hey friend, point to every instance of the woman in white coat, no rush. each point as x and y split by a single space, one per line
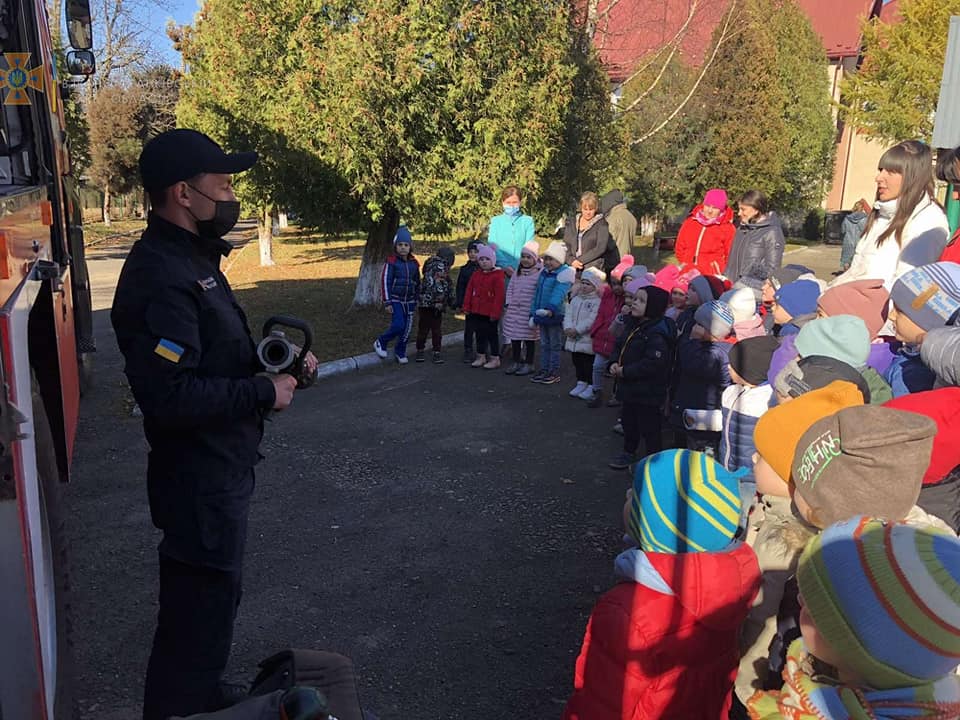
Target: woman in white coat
907 227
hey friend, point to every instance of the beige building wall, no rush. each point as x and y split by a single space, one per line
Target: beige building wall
857 156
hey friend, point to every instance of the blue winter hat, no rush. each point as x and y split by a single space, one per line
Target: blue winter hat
403 236
799 297
684 501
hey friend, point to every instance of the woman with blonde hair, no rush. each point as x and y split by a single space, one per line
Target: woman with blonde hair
907 227
587 237
852 229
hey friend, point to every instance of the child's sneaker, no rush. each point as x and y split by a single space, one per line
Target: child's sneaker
468 356
493 363
550 379
402 359
437 358
577 389
539 376
622 461
479 361
589 394
512 370
420 357
524 370
379 349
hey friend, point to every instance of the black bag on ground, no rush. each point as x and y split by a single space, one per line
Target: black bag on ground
328 672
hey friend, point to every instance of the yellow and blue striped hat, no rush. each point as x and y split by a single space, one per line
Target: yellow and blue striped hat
684 501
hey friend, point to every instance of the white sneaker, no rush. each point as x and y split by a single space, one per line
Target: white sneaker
588 394
577 389
378 349
402 360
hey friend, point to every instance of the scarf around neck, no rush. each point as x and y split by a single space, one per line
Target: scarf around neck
807 696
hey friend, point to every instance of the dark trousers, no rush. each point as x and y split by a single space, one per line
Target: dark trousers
470 332
583 364
525 353
192 643
488 335
641 422
429 320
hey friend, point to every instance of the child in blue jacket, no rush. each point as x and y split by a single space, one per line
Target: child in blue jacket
547 309
401 290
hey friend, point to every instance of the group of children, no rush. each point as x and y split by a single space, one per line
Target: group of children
795 554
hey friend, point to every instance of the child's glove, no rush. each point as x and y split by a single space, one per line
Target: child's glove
543 312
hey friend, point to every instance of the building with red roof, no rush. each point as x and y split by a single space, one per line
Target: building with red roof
629 31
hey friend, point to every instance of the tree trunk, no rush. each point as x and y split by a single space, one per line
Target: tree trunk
275 222
375 252
106 205
265 236
282 217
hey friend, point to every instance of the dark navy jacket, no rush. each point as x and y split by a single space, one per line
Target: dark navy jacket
645 350
192 366
704 373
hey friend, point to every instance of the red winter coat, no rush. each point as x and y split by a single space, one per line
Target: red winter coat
486 293
610 305
714 241
951 253
648 655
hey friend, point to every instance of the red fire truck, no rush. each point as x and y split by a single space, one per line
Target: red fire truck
45 334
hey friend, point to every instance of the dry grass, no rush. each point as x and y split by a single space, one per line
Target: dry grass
97 232
314 278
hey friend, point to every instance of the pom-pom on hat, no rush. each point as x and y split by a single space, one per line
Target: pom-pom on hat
886 599
929 295
684 501
624 264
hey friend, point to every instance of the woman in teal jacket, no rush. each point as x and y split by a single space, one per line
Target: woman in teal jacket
510 231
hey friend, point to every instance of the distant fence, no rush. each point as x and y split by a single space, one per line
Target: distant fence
121 206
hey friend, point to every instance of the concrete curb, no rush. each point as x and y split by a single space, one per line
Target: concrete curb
367 361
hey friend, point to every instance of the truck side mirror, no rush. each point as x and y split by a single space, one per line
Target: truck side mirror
81 62
79 25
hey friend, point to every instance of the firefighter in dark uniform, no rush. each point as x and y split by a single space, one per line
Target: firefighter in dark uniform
193 370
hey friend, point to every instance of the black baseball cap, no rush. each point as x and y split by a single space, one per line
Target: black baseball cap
181 154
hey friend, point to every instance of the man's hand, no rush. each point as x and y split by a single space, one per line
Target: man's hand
616 370
310 363
283 387
576 265
389 309
509 272
570 332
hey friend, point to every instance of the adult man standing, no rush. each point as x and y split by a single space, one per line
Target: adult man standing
193 370
622 223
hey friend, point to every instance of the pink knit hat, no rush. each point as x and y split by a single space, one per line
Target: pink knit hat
683 281
668 277
532 248
488 252
618 271
716 198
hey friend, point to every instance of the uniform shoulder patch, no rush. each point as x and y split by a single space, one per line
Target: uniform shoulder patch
169 350
207 283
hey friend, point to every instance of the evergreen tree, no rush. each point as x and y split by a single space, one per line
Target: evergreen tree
894 95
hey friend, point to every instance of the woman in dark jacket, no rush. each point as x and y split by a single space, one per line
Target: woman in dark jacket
758 245
587 238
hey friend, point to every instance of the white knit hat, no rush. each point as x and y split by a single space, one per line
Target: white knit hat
742 302
558 251
594 276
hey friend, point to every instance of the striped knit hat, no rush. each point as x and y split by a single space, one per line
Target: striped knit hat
716 317
684 501
886 598
929 295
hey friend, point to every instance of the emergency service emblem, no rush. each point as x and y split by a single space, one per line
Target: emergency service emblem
17 77
169 350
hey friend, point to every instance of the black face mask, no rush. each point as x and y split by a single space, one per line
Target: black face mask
225 216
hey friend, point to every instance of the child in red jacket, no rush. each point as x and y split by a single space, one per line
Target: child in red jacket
664 642
483 304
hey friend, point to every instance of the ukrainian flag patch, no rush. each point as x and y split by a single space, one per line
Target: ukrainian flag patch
169 350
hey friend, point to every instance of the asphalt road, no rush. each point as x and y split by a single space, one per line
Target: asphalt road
448 528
